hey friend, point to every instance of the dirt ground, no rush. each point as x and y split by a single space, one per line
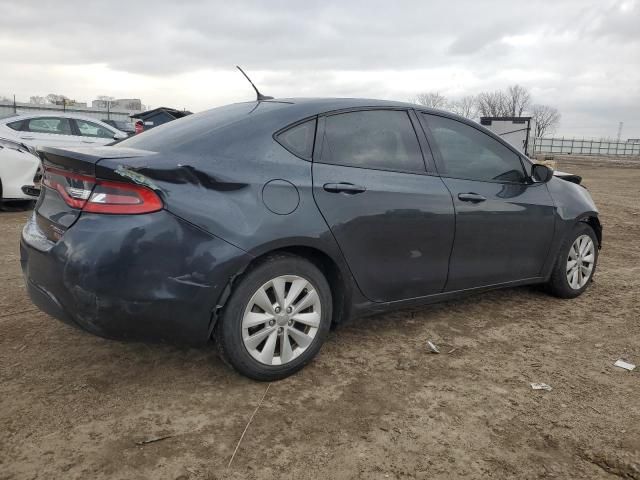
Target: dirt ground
374 404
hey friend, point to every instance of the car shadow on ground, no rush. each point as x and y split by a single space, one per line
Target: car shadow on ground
161 362
17 206
504 297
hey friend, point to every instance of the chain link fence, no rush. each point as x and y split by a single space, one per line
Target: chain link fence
584 147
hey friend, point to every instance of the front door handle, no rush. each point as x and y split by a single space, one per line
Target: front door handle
471 197
26 137
349 188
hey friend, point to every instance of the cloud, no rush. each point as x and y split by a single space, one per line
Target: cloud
183 53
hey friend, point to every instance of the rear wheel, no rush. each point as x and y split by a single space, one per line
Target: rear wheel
276 319
576 263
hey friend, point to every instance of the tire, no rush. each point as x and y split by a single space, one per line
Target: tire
245 332
559 283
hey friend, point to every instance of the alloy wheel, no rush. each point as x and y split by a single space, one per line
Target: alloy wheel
580 262
281 320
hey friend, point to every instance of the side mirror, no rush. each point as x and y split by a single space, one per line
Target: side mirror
541 173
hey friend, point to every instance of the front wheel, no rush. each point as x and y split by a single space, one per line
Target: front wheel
576 263
277 318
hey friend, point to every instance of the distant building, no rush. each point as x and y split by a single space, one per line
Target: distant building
633 140
158 116
130 104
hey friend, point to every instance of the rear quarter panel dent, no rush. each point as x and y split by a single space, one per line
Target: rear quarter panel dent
151 276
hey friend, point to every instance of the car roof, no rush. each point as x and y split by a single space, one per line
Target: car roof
24 116
322 105
271 116
306 107
345 102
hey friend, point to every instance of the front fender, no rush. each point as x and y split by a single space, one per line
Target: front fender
573 204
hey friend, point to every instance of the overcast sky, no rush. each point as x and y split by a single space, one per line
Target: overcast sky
582 57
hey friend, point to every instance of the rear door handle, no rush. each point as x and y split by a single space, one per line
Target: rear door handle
471 197
349 188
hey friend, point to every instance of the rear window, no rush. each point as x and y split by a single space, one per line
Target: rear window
172 136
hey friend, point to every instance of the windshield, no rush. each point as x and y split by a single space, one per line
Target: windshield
122 125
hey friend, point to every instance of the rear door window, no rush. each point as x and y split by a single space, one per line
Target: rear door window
468 153
53 125
376 139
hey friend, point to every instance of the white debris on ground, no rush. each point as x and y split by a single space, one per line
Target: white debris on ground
541 386
625 365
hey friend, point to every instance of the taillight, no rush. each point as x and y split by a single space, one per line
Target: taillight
122 198
101 196
74 188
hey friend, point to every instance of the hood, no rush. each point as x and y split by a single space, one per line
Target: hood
569 177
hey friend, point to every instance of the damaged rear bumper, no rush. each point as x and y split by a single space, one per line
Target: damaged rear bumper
137 277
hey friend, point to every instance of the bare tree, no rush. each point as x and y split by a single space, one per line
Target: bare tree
56 99
545 118
431 100
38 100
465 107
518 100
512 102
492 104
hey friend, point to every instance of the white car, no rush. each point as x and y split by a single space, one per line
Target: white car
19 171
58 129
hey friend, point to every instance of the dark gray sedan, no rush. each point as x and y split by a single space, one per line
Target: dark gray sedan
261 224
